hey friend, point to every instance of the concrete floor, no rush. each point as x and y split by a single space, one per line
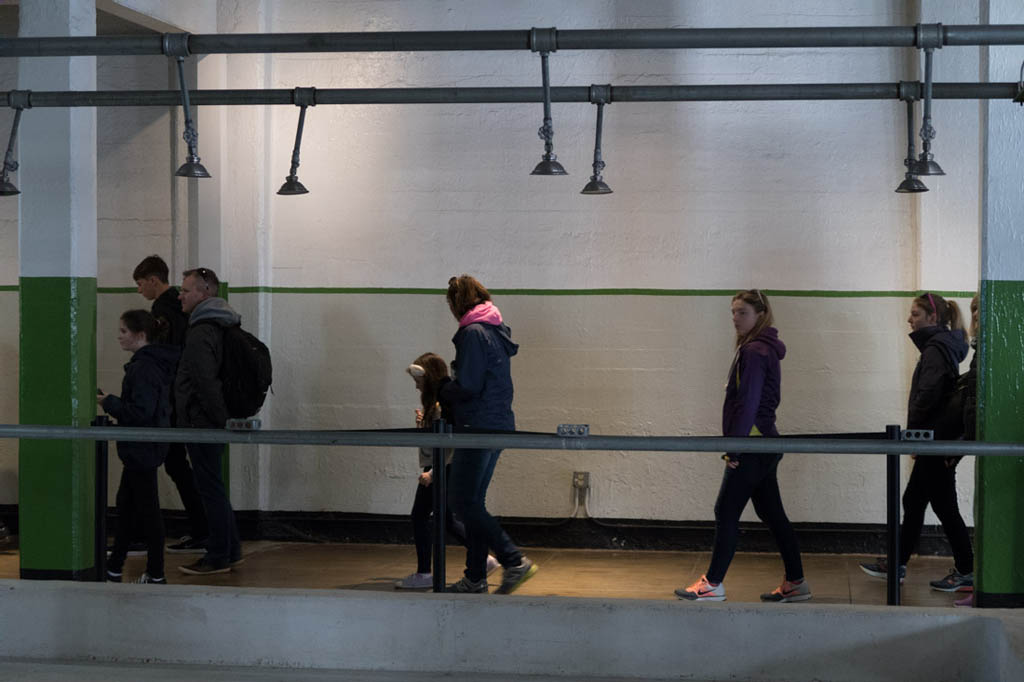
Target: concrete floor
834 578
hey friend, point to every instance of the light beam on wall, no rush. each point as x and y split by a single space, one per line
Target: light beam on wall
911 183
7 188
191 168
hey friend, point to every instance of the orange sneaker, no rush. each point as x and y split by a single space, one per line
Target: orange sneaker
702 590
787 592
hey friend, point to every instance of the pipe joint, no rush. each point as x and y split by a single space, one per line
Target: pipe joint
601 94
910 91
176 44
19 99
304 97
544 39
928 36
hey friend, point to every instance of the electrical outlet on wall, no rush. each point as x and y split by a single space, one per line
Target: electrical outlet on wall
581 480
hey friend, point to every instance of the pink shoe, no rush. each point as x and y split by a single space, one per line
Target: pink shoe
967 601
702 590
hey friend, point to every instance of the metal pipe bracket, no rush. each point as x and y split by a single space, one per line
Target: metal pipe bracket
304 97
928 36
176 44
601 94
19 99
544 39
910 91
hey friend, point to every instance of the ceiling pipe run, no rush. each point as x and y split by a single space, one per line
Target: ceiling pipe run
587 39
514 95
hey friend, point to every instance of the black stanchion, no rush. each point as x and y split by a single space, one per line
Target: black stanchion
892 518
440 483
100 524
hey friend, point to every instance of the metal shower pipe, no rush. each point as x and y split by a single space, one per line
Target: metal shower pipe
513 95
588 39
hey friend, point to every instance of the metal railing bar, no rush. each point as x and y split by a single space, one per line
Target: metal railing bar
518 441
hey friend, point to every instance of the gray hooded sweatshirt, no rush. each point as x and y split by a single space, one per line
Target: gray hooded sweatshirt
198 398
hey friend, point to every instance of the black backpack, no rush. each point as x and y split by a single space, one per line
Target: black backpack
245 372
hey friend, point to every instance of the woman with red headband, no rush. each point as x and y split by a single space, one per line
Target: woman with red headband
938 332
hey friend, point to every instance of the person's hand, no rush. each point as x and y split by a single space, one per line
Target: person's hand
100 395
426 478
419 418
732 464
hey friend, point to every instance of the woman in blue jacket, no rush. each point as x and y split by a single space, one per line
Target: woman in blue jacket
480 397
145 400
752 394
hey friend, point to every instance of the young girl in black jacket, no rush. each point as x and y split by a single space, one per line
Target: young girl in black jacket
937 331
145 400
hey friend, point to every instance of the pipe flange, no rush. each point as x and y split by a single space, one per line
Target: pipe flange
176 44
601 94
928 36
544 39
910 91
304 97
19 99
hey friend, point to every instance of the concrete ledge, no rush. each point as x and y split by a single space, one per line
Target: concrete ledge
356 630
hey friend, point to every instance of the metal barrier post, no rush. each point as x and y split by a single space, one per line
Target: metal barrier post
440 508
100 523
892 518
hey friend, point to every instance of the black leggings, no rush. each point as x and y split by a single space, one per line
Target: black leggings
422 528
138 507
754 479
931 481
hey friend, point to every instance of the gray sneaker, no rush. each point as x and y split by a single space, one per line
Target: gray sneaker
788 592
955 582
515 576
467 586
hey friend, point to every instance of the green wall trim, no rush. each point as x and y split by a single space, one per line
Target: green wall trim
999 516
419 291
805 293
57 385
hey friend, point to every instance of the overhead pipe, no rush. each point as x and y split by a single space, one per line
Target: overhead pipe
514 95
586 39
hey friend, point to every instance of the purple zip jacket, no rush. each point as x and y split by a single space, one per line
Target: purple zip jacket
754 389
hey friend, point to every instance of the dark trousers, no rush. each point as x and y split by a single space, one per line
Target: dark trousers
177 467
222 545
422 528
931 481
138 507
471 472
756 478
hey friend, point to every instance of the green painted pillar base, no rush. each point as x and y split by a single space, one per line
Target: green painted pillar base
999 515
57 385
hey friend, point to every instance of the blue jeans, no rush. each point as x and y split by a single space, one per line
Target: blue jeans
223 545
470 475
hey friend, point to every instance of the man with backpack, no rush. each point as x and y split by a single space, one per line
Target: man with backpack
150 277
199 401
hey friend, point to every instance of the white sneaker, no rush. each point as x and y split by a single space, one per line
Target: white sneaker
415 581
492 564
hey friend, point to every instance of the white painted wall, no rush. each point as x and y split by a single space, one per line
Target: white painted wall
707 196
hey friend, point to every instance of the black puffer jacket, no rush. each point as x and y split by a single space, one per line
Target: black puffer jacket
942 351
198 396
145 400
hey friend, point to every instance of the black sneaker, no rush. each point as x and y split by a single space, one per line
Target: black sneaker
880 569
203 567
187 545
113 576
467 586
134 549
955 582
515 576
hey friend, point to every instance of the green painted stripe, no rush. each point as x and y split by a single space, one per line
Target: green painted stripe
9 287
57 385
999 516
417 291
802 293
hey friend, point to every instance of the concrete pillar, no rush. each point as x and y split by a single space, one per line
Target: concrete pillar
999 516
57 259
